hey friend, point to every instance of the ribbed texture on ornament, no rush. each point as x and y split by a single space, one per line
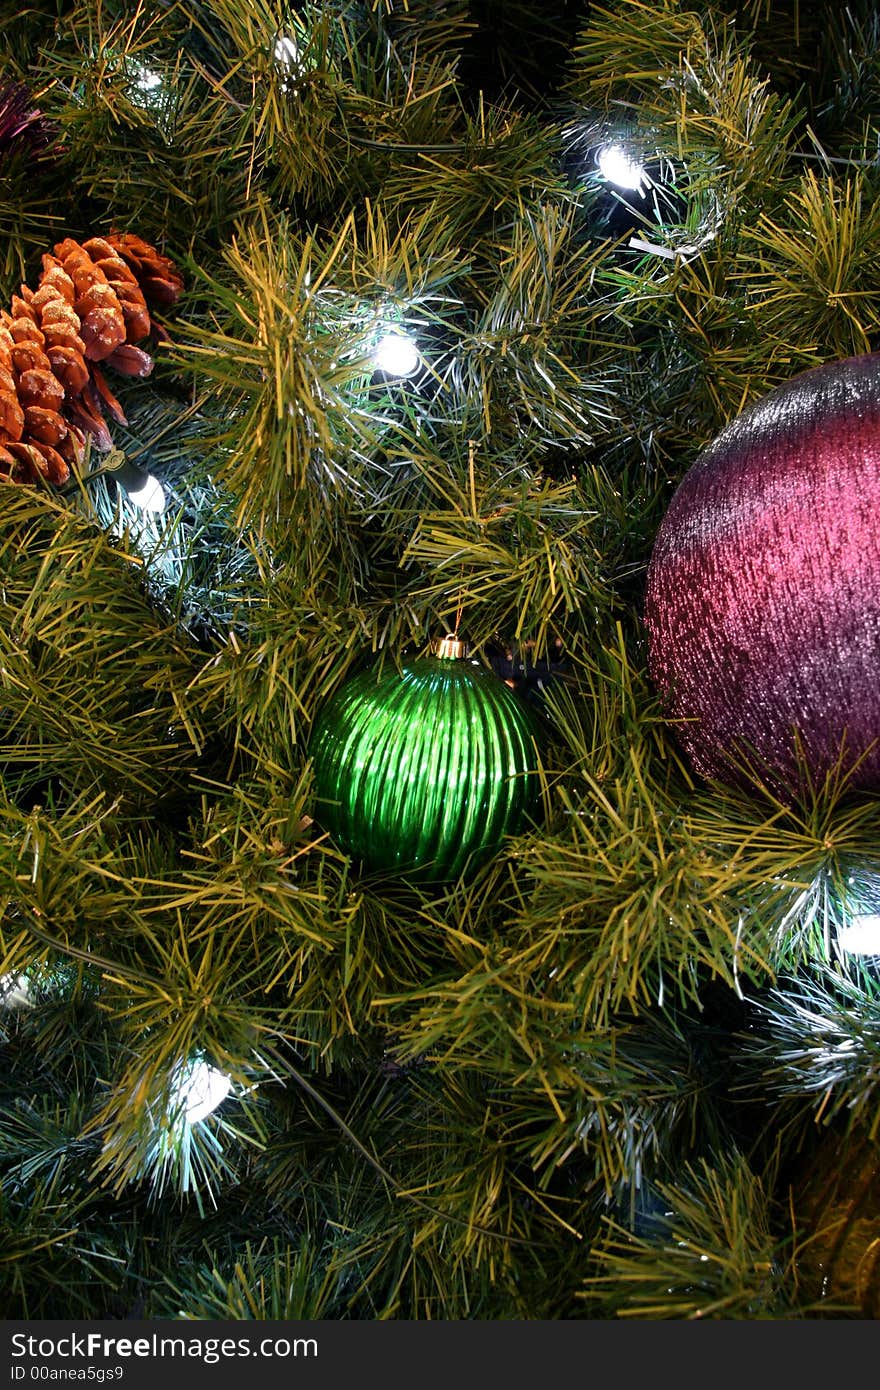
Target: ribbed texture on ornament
762 604
423 771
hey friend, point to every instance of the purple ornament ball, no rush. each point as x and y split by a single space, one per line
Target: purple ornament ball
762 604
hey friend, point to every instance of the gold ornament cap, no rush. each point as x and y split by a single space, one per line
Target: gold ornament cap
450 648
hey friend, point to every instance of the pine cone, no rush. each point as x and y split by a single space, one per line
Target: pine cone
125 285
89 308
156 274
32 430
102 322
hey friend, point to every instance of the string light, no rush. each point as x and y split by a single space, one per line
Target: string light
145 78
142 488
396 354
148 90
861 935
619 168
286 55
286 51
14 990
150 496
198 1089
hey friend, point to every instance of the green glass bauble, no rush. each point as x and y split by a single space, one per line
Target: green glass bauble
422 772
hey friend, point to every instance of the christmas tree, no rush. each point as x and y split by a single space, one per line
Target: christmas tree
419 313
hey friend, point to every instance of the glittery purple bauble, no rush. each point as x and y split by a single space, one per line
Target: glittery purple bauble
22 125
763 591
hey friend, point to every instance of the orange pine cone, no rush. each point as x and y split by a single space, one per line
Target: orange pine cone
102 323
89 307
125 286
157 276
31 395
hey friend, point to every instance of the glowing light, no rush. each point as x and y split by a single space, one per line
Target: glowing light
145 78
199 1089
151 92
286 55
861 936
150 495
14 989
286 51
618 168
396 354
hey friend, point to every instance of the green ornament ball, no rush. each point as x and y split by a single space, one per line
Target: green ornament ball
423 771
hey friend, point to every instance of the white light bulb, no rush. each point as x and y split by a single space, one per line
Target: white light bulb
861 936
396 354
150 496
149 90
286 55
199 1089
286 51
13 990
146 79
618 168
